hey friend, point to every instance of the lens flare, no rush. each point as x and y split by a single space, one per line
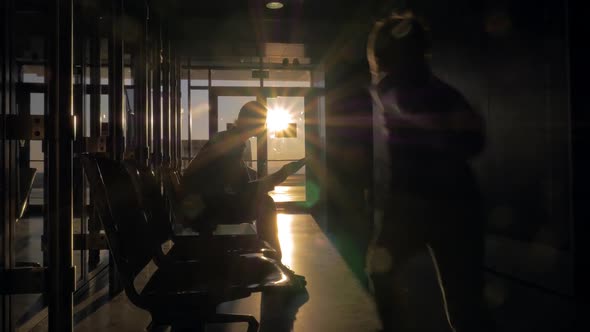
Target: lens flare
277 119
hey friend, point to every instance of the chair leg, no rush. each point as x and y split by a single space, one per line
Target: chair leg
253 324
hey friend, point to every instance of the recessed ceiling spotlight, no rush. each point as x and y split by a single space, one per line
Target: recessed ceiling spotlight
274 5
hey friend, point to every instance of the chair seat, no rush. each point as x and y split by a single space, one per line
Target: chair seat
187 294
196 288
237 229
243 229
217 277
195 247
181 292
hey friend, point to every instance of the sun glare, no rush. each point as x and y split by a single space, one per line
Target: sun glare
277 119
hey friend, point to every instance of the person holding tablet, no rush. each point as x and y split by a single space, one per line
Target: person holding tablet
225 184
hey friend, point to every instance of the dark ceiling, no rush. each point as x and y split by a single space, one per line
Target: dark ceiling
313 22
293 9
324 26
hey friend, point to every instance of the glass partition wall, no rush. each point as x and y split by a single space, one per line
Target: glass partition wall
73 83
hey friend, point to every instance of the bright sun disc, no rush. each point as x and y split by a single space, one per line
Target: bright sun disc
277 119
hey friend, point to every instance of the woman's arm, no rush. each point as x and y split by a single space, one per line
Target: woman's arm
459 131
268 182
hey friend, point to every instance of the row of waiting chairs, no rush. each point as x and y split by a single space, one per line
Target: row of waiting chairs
198 273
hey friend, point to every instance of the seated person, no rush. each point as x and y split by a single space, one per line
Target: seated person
219 175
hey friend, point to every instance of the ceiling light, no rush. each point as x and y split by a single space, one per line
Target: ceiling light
274 5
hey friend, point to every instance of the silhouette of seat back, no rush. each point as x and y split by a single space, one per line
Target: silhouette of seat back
149 195
27 177
188 202
172 192
129 235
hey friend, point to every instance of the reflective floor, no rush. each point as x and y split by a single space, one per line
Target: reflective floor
288 194
335 300
28 251
291 190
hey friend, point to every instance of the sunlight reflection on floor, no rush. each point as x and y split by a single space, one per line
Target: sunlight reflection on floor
285 223
288 194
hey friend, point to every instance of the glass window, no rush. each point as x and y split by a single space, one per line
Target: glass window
319 80
128 76
184 120
33 74
286 142
288 78
37 103
199 77
229 108
104 115
86 131
199 114
104 75
234 77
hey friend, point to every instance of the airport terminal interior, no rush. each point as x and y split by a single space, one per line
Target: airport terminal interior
106 103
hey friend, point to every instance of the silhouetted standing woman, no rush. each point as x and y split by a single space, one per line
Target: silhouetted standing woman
431 202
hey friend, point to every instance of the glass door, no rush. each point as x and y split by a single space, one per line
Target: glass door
228 109
286 143
285 140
